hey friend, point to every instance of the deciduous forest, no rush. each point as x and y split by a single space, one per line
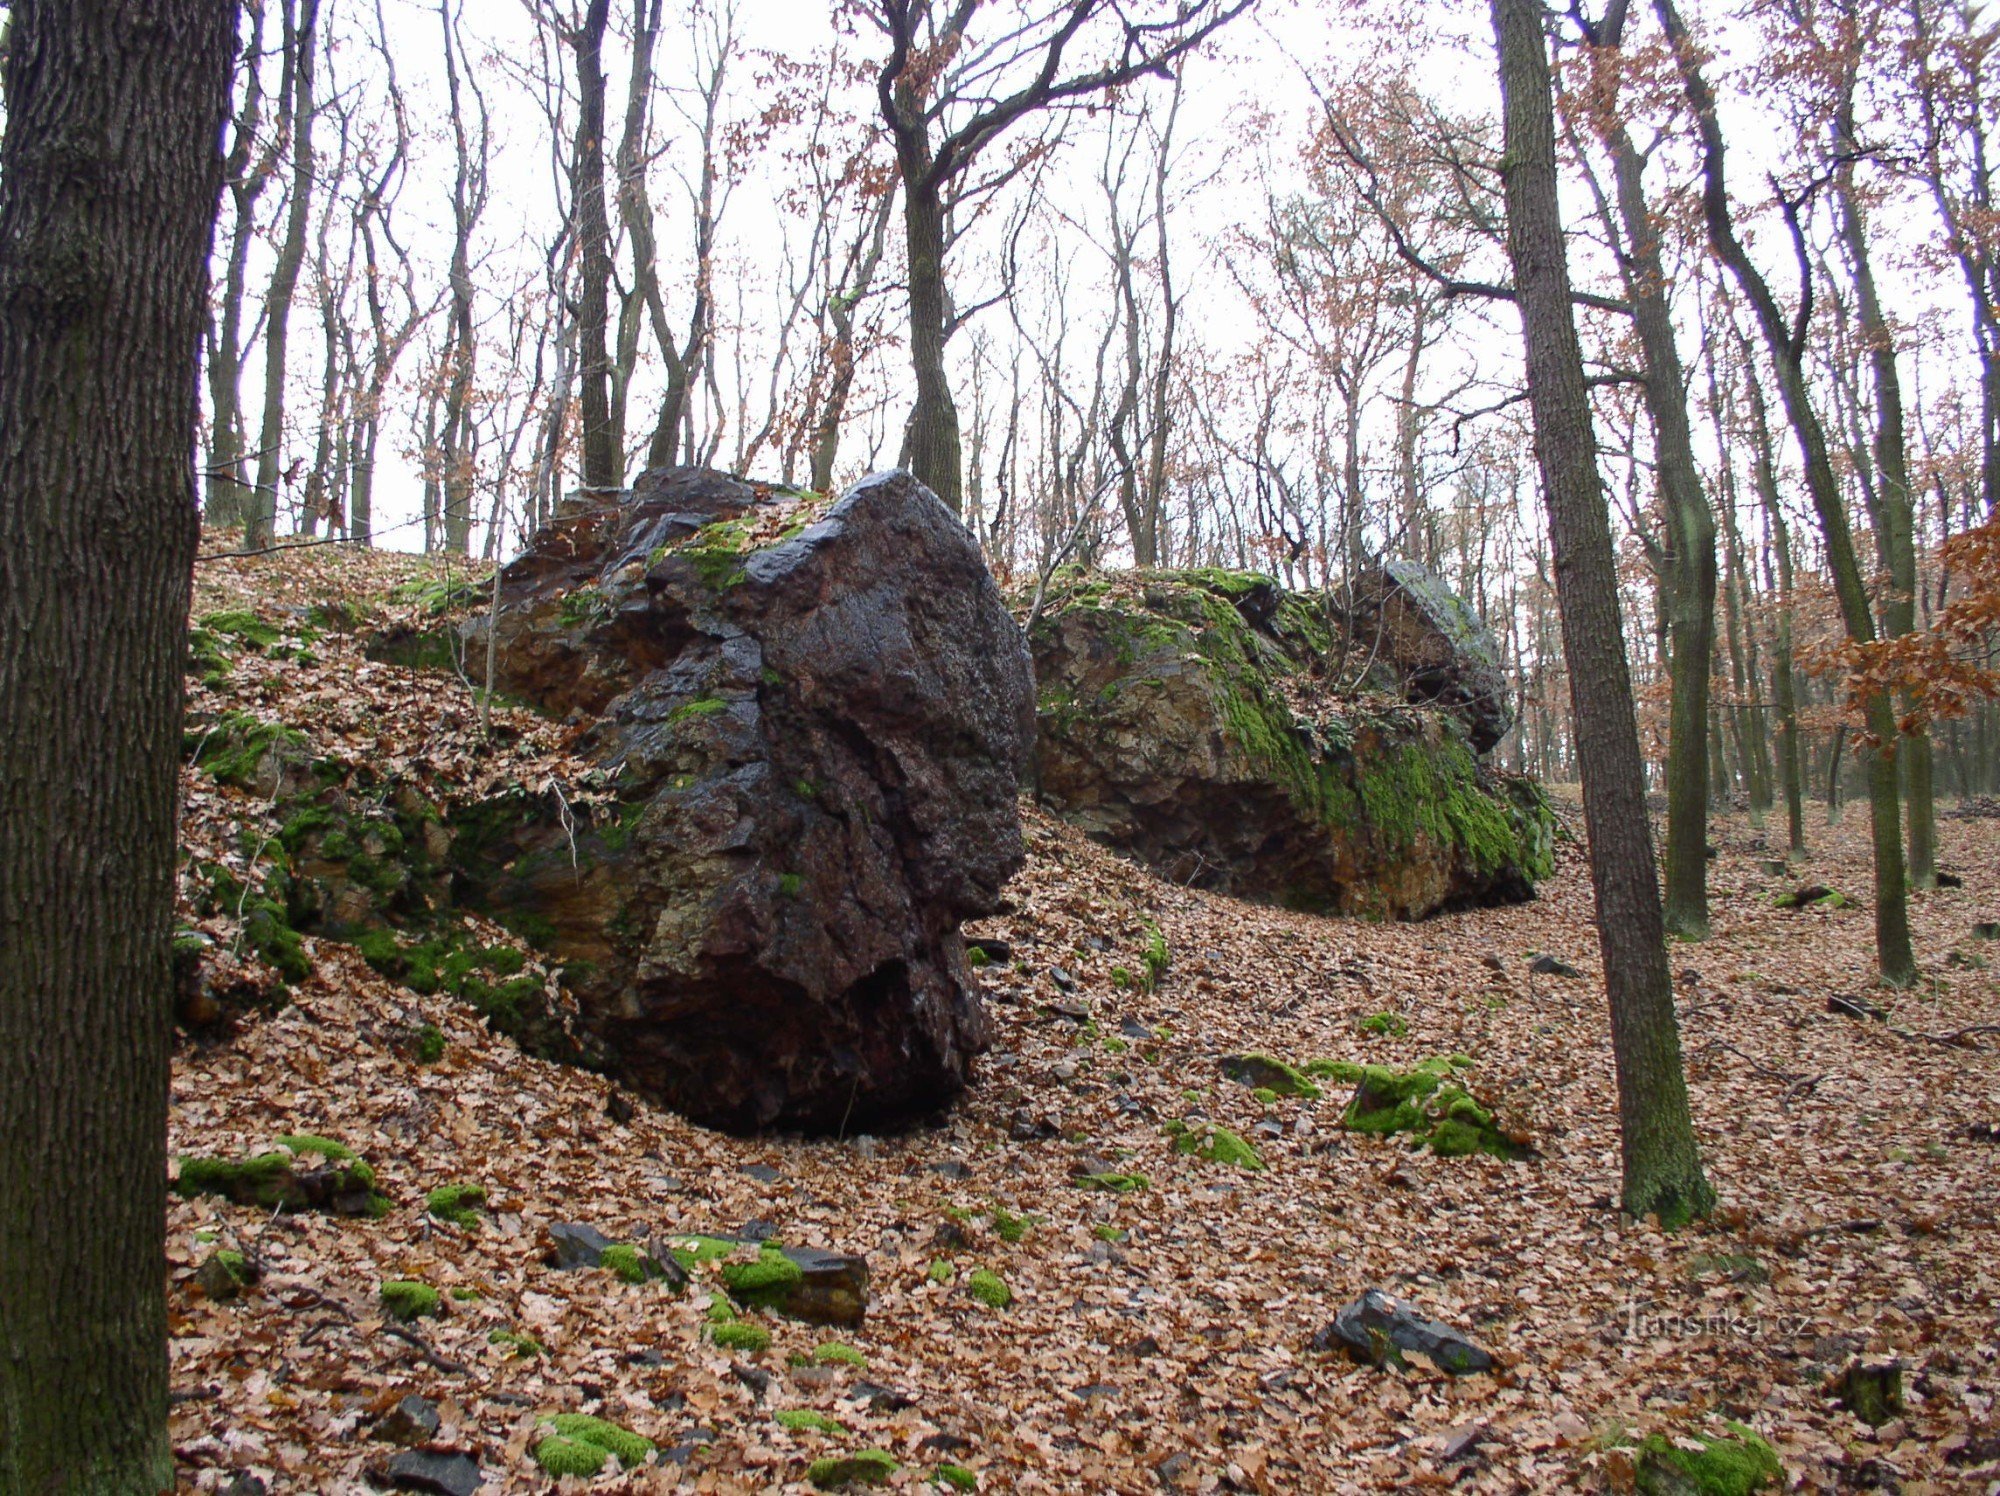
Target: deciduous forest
1045 745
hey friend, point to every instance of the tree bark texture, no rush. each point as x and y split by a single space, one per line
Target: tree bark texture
1662 1161
109 174
602 462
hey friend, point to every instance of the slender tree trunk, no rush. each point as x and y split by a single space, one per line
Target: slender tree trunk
1894 957
109 175
1895 520
302 45
1791 769
1662 1160
1689 580
602 462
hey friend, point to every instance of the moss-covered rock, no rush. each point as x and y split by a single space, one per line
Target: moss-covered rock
1732 1464
1263 1072
1430 1103
287 1178
1233 735
1215 1145
866 1467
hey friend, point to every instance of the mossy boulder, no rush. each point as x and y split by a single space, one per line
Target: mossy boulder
815 718
1238 737
1430 1103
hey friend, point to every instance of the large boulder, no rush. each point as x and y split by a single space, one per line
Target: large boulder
812 720
1243 739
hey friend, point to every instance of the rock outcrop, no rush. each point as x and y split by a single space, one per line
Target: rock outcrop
812 721
1187 717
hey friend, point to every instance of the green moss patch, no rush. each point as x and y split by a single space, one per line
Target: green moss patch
627 1447
1261 1071
957 1477
1428 1103
1734 1464
807 1421
989 1288
1215 1145
1385 1025
561 1456
734 1335
406 1299
1112 1182
463 1205
839 1353
867 1467
523 1347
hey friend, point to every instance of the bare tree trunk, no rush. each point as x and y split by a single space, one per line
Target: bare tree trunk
602 461
1662 1161
296 117
228 490
1893 954
109 174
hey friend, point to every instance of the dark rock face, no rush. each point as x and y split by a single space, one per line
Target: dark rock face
812 723
1242 739
1422 631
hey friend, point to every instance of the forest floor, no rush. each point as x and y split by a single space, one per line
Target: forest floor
1157 1339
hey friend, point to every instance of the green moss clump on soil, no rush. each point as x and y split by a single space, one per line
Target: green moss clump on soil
629 1448
989 1288
430 1044
1385 1025
957 1477
866 1467
628 1264
1009 1227
806 1420
1113 1183
1735 1464
524 1347
1347 1072
460 1204
839 1353
734 1335
406 1300
1215 1145
561 1456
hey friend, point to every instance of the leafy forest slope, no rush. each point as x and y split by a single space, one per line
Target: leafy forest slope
1158 1336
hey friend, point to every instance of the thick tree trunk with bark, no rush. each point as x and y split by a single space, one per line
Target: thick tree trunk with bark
1662 1161
931 445
109 175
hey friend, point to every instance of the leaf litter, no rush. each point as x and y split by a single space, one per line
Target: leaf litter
1155 1336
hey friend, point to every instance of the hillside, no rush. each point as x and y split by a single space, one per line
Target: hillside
1158 1337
